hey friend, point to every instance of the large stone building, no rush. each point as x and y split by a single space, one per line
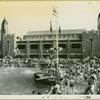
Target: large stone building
38 43
77 43
74 43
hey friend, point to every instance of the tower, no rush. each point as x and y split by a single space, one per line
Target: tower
4 31
98 24
4 27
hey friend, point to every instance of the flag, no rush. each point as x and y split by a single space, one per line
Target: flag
59 29
18 38
50 26
54 12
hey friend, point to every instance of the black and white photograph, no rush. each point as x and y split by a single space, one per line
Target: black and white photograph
50 48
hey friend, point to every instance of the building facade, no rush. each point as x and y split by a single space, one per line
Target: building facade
74 43
77 43
38 43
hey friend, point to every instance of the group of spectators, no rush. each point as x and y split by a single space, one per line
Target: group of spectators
80 76
77 76
18 62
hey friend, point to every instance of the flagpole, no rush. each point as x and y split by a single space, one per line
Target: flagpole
57 53
57 44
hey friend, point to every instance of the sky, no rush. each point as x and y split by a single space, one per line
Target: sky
24 16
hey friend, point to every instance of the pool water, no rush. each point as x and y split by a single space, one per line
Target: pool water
19 81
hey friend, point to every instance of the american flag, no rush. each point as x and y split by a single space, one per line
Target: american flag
18 38
54 12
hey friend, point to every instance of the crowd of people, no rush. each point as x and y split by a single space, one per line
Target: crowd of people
76 76
80 77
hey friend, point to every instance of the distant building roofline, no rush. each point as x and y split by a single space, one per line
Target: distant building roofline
43 32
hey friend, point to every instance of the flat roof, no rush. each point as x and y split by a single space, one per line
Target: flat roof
47 32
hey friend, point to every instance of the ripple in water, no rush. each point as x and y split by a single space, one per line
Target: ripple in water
28 71
19 81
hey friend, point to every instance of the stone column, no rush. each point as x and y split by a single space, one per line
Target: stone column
28 50
8 47
40 49
68 51
91 41
2 45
